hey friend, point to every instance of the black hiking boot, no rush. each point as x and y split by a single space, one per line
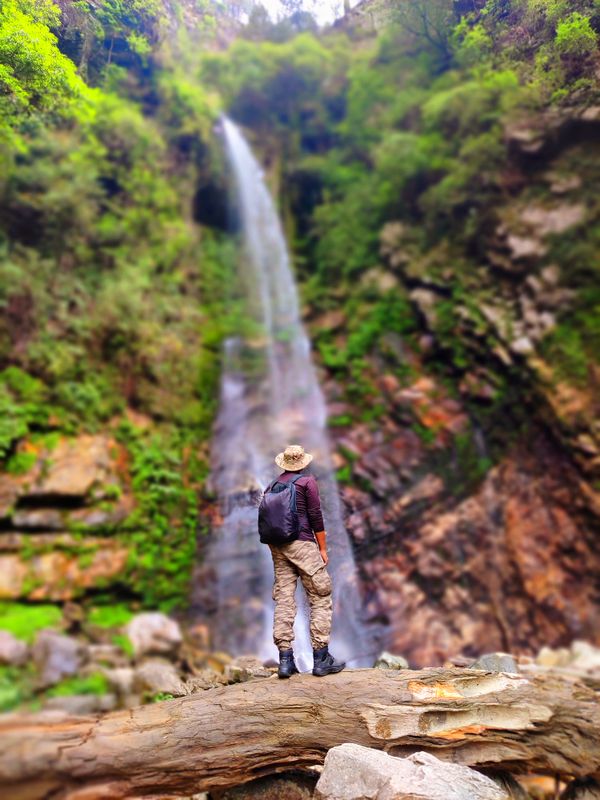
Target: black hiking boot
325 663
287 665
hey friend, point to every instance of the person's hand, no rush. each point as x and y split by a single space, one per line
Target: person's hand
324 556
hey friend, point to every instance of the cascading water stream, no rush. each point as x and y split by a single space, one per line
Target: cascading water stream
270 397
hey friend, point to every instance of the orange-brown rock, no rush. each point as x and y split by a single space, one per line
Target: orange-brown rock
508 568
60 574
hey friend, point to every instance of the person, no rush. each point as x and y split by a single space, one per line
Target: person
305 558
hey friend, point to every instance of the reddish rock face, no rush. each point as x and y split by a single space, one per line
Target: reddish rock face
508 568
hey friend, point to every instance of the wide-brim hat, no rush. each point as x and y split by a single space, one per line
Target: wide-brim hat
293 458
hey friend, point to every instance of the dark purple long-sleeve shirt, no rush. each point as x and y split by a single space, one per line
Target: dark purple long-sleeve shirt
308 503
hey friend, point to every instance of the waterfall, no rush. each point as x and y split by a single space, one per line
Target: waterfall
270 397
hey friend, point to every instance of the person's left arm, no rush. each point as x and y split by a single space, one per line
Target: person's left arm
315 516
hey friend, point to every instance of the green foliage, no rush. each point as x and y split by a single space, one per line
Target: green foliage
164 524
96 683
110 616
22 408
16 687
575 36
475 45
124 642
24 621
34 74
20 463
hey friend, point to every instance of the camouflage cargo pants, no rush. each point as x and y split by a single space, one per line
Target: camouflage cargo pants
300 559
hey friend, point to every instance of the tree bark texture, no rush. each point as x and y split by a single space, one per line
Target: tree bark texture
226 736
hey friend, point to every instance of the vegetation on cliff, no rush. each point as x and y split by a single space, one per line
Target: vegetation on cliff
437 180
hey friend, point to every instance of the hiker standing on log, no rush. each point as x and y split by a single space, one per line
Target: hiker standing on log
291 523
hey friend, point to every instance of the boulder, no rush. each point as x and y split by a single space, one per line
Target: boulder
57 656
82 704
354 772
390 661
495 662
108 655
156 676
153 632
13 651
121 680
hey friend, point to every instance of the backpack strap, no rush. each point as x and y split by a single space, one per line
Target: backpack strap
292 484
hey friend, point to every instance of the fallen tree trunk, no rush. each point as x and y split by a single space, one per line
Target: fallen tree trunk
229 735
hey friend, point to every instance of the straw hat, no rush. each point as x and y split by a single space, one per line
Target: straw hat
293 458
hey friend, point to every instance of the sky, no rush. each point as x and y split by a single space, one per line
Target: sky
324 10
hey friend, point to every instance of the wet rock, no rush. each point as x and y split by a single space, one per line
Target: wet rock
390 661
495 662
82 704
159 676
353 772
13 651
57 656
153 632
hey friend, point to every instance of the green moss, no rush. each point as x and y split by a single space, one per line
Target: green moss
16 686
110 616
89 684
340 421
124 642
24 621
344 474
20 463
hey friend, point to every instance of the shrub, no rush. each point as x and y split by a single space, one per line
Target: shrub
575 37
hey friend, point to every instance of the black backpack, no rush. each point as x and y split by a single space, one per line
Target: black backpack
278 521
